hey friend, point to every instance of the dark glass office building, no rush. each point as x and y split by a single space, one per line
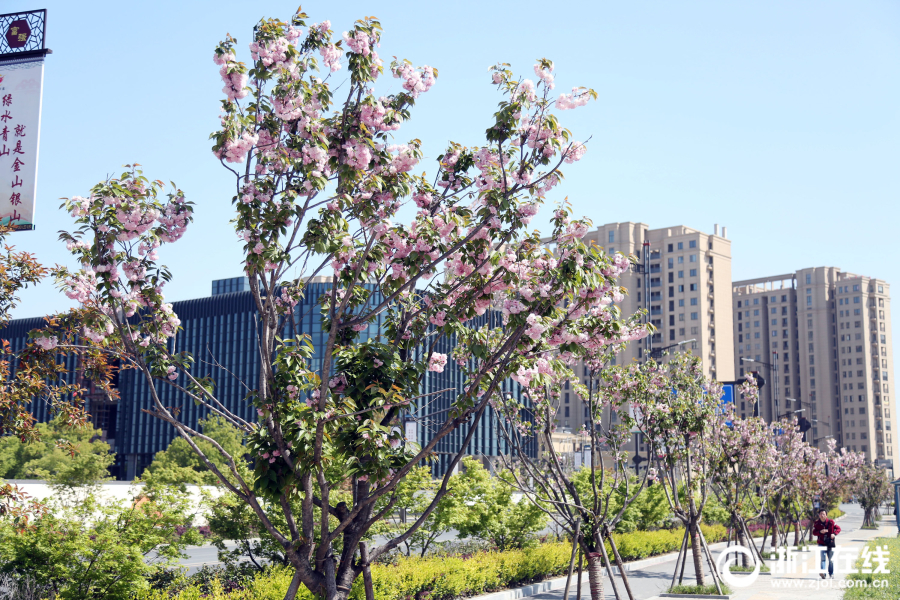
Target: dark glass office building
219 331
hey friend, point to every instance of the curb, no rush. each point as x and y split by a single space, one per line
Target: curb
559 583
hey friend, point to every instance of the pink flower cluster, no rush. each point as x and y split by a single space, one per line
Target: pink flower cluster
235 81
275 52
414 82
437 362
235 150
357 154
545 75
358 42
47 343
331 56
578 97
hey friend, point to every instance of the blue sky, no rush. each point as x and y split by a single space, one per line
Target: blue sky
778 120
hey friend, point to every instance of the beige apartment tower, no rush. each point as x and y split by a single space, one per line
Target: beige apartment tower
821 338
685 269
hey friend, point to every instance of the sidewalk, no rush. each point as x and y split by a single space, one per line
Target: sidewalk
801 586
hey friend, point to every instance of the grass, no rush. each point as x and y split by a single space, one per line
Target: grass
888 583
742 569
699 590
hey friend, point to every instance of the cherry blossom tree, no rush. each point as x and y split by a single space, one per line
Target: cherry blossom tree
586 508
871 489
318 185
744 466
681 417
29 374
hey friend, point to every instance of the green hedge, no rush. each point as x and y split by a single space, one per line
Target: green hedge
451 577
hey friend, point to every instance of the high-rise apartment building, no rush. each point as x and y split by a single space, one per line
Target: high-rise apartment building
821 338
680 272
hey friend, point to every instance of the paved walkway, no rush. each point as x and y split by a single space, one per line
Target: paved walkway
651 581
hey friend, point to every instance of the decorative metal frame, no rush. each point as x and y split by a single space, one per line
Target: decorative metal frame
35 45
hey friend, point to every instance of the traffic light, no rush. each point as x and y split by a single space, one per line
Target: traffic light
760 380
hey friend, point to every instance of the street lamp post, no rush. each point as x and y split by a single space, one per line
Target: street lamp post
790 412
658 352
773 370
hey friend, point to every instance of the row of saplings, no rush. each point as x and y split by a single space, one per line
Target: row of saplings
78 544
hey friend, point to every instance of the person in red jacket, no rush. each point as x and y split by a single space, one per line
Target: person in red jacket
826 531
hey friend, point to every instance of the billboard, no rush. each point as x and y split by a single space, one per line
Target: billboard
22 54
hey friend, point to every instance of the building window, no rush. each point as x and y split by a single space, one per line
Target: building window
693 302
808 279
681 302
681 260
670 248
681 245
695 316
612 238
693 272
692 244
671 260
809 300
693 287
693 258
681 288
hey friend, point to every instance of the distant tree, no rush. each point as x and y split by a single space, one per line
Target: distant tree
179 464
872 489
62 455
414 494
96 550
484 508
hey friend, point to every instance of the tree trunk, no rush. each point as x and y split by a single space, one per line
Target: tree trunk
612 544
578 581
294 587
367 571
742 541
796 533
697 552
571 560
595 575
